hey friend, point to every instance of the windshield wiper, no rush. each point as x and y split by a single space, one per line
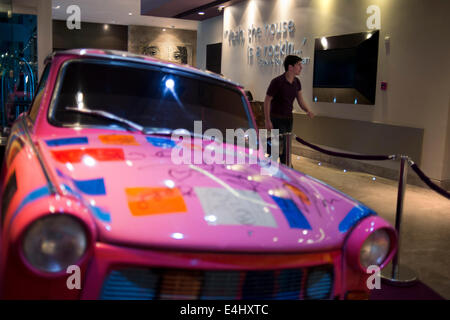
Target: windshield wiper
110 116
133 125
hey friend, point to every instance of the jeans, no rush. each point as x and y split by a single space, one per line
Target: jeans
284 125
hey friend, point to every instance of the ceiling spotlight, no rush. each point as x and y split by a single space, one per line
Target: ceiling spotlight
201 13
130 14
57 7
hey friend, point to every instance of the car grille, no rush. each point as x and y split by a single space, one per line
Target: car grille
152 284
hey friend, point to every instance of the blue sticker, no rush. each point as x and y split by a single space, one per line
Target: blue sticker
70 191
294 216
95 187
356 214
101 214
66 141
162 142
33 196
61 174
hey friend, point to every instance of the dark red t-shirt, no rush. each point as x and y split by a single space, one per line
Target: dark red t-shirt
283 94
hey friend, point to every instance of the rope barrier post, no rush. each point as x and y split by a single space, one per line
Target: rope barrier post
288 148
400 275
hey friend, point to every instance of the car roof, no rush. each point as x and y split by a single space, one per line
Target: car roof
128 56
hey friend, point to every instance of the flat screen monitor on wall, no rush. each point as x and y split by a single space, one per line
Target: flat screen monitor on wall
345 68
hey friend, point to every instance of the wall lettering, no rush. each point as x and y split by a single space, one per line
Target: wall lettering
268 53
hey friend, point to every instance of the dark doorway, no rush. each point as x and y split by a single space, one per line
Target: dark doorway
214 57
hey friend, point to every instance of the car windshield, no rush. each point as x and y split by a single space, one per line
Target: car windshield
150 96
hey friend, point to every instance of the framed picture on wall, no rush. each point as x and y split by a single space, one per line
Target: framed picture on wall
180 53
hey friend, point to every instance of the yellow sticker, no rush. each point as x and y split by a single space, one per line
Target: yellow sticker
118 139
148 201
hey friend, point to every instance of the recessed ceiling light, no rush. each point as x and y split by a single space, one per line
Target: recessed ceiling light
201 13
57 7
130 14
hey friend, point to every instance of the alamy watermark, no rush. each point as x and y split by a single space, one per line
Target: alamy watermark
374 281
240 147
74 280
73 21
374 20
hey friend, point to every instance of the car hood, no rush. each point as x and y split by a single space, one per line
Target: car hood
139 196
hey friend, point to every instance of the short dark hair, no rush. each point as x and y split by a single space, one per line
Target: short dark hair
291 61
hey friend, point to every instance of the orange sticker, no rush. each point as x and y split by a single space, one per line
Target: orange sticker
303 197
118 139
147 201
76 155
192 146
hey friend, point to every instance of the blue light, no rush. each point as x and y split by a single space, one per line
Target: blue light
334 100
170 84
356 101
315 99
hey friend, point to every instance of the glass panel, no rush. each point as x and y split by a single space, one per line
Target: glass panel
149 97
18 63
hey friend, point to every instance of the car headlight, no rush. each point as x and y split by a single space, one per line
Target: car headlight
375 249
54 242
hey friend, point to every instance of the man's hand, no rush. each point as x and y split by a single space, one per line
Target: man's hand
310 114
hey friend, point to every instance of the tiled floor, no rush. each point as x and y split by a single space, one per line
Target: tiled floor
425 232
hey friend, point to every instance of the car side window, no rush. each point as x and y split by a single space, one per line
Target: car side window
38 96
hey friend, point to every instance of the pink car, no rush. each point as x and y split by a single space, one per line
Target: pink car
94 204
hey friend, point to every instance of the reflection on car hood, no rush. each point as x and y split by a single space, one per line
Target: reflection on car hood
139 196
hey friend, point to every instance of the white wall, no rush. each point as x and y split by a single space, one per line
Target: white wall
209 31
416 67
45 33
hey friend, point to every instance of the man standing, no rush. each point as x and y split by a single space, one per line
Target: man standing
280 96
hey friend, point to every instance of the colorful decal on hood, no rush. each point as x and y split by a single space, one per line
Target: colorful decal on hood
356 214
281 175
70 191
66 141
127 140
147 201
99 154
162 142
101 214
191 146
293 215
303 197
31 197
94 187
221 207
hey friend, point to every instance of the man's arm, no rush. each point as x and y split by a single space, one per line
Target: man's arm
302 103
267 102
